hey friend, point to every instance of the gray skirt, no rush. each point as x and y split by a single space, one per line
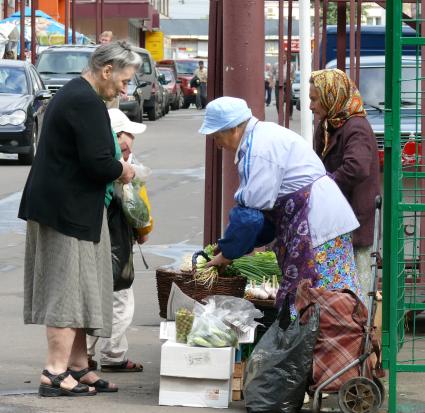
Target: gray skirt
68 282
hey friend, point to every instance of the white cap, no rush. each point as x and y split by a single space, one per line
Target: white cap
121 123
224 113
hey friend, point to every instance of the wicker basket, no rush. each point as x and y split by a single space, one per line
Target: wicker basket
234 286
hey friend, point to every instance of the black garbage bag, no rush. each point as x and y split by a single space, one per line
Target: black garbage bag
122 239
277 371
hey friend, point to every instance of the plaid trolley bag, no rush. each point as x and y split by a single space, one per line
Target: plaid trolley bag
343 318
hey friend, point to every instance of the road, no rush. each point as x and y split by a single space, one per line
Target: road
174 150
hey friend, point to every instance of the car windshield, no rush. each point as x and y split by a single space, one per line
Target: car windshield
145 68
13 81
187 67
167 74
67 62
372 85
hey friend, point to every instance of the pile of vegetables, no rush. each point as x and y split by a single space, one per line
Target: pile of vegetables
267 290
261 270
211 332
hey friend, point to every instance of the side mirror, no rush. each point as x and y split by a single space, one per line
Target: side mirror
161 79
43 94
143 84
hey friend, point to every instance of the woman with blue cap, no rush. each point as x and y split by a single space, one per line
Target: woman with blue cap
284 196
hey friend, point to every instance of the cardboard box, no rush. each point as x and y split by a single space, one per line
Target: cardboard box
236 395
167 330
238 369
237 383
180 360
178 391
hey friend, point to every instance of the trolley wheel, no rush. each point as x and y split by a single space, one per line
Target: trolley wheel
317 403
381 388
359 395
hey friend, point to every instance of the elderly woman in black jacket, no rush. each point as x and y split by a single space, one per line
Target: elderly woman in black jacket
68 271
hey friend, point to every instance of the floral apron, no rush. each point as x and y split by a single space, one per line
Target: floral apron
293 245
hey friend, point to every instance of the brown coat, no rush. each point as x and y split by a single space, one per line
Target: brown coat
352 159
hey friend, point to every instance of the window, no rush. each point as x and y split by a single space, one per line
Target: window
66 62
13 81
35 81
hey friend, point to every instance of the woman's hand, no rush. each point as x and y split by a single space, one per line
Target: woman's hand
141 239
127 174
219 261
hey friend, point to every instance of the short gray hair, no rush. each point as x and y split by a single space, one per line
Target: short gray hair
117 54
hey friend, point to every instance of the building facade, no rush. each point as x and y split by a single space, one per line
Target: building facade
128 19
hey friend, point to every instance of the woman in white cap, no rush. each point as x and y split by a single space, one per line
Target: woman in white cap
284 195
113 350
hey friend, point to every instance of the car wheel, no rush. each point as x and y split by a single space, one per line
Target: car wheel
186 104
153 112
167 108
27 158
176 103
139 115
181 100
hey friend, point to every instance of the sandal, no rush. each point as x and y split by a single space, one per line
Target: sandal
55 390
125 367
92 364
101 386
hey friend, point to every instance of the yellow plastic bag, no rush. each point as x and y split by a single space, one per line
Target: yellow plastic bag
143 194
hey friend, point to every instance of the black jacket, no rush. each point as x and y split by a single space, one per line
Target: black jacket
352 157
75 160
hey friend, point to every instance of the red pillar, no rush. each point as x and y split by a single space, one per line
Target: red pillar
243 76
73 21
22 28
34 5
213 155
66 21
97 21
341 37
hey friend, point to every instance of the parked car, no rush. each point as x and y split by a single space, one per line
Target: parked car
132 103
372 89
184 69
173 86
57 65
152 92
296 88
166 98
23 101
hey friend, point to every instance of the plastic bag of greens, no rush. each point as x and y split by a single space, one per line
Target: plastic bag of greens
236 312
135 209
209 331
277 371
184 322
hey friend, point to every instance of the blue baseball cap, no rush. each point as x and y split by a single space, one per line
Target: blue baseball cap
224 113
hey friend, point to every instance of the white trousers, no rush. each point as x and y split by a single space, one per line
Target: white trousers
113 350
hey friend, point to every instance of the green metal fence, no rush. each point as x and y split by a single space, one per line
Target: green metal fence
404 199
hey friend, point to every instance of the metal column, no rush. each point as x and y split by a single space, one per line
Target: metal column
34 6
243 57
66 21
213 155
73 19
22 28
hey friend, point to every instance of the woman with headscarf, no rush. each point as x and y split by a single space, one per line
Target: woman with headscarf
346 144
284 196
